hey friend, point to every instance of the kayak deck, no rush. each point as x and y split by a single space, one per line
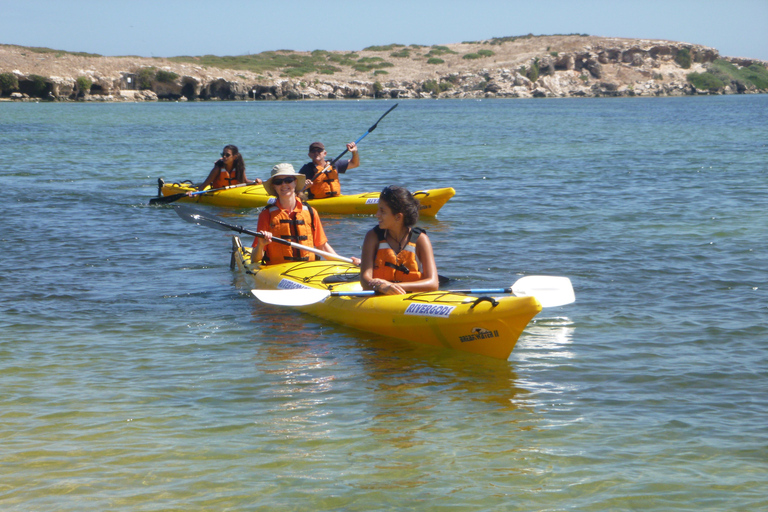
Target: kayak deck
255 196
488 326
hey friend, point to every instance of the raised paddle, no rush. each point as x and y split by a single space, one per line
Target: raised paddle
550 291
176 197
366 133
201 218
358 140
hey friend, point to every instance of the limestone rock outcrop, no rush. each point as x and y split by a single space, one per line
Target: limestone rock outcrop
604 67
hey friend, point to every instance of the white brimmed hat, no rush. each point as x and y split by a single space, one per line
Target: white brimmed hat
282 170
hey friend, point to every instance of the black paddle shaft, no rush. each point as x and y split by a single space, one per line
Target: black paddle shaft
197 217
366 133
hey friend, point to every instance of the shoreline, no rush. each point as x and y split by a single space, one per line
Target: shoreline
524 67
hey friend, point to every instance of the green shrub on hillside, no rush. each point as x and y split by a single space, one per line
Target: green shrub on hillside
370 63
59 53
8 83
453 79
348 59
705 81
437 51
84 84
533 72
165 76
683 58
404 53
435 60
435 87
145 77
502 40
39 85
755 74
722 73
385 48
479 55
288 61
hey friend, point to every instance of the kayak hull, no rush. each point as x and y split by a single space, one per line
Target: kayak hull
255 196
488 326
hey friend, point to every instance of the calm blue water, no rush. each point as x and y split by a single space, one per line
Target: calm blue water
137 374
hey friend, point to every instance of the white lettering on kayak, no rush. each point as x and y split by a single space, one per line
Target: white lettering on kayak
372 200
429 310
287 284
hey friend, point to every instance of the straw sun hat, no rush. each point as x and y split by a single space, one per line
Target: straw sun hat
283 170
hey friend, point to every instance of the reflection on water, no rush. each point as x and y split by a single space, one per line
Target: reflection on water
316 369
547 338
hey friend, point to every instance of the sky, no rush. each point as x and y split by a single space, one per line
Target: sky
167 28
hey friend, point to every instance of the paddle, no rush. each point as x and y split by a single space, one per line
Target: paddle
201 218
358 140
550 291
176 197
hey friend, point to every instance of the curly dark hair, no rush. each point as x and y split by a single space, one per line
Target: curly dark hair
400 200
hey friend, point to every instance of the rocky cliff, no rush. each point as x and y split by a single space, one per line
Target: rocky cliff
513 67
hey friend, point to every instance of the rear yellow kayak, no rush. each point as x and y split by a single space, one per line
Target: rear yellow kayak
253 196
443 319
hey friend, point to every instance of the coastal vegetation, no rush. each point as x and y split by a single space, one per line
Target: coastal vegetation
722 73
83 84
435 87
478 55
59 53
515 66
164 76
8 83
683 58
291 64
38 85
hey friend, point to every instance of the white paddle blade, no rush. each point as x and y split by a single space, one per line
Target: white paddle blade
296 297
550 291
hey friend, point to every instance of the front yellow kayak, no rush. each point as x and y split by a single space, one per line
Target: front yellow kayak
254 196
481 325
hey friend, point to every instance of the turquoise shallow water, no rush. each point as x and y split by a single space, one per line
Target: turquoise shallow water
137 374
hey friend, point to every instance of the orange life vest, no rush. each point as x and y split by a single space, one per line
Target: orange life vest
299 230
225 178
401 267
325 184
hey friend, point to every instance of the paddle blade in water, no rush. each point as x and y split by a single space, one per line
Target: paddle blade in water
166 199
550 291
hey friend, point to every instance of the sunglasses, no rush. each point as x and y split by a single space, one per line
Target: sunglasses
280 181
226 155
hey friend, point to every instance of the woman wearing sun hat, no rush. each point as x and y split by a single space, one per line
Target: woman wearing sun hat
288 218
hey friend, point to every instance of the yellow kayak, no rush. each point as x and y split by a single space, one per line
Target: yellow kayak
489 326
253 196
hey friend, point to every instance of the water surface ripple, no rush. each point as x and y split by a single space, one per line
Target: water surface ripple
137 374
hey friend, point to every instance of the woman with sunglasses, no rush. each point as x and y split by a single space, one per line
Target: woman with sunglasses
288 218
228 170
397 256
